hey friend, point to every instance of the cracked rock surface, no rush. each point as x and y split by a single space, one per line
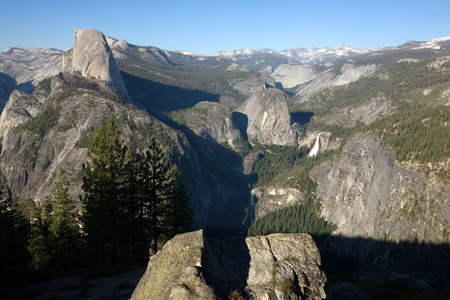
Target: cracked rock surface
277 266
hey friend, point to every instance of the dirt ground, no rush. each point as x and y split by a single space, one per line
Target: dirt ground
117 287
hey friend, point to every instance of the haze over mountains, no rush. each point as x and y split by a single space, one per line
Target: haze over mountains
240 125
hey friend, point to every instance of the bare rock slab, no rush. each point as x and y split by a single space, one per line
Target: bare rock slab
277 266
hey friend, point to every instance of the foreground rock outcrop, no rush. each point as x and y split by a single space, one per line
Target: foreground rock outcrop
277 266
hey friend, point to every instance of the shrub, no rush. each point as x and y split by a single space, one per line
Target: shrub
235 295
287 286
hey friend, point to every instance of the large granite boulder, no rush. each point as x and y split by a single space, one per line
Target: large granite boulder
277 266
178 270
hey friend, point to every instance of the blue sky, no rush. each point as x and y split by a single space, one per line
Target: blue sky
208 26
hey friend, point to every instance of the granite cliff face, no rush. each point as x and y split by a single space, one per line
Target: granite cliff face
277 266
272 198
251 84
319 142
92 57
211 121
50 129
267 120
308 78
368 194
292 75
367 112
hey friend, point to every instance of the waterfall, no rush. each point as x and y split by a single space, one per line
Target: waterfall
315 150
251 206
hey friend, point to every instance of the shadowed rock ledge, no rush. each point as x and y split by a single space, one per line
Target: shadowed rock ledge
277 266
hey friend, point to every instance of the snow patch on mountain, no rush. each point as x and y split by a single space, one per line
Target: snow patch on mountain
433 44
300 55
184 52
243 51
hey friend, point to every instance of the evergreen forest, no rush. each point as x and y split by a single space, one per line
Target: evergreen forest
131 204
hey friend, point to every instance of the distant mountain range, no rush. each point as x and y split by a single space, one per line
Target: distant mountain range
321 55
301 55
240 125
339 51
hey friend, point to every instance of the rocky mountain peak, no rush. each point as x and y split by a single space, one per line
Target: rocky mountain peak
9 50
93 58
113 43
266 118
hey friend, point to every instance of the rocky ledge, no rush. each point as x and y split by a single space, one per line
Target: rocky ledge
277 266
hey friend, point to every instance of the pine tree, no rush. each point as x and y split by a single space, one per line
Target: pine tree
63 225
14 256
104 188
132 202
179 216
138 207
153 190
34 230
28 209
40 242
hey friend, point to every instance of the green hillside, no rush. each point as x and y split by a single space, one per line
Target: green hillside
171 87
418 135
408 82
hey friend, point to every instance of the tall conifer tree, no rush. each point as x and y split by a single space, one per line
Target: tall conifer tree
132 202
104 187
40 241
63 224
179 216
14 257
153 185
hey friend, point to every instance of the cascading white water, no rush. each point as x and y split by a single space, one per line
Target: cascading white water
251 206
315 150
